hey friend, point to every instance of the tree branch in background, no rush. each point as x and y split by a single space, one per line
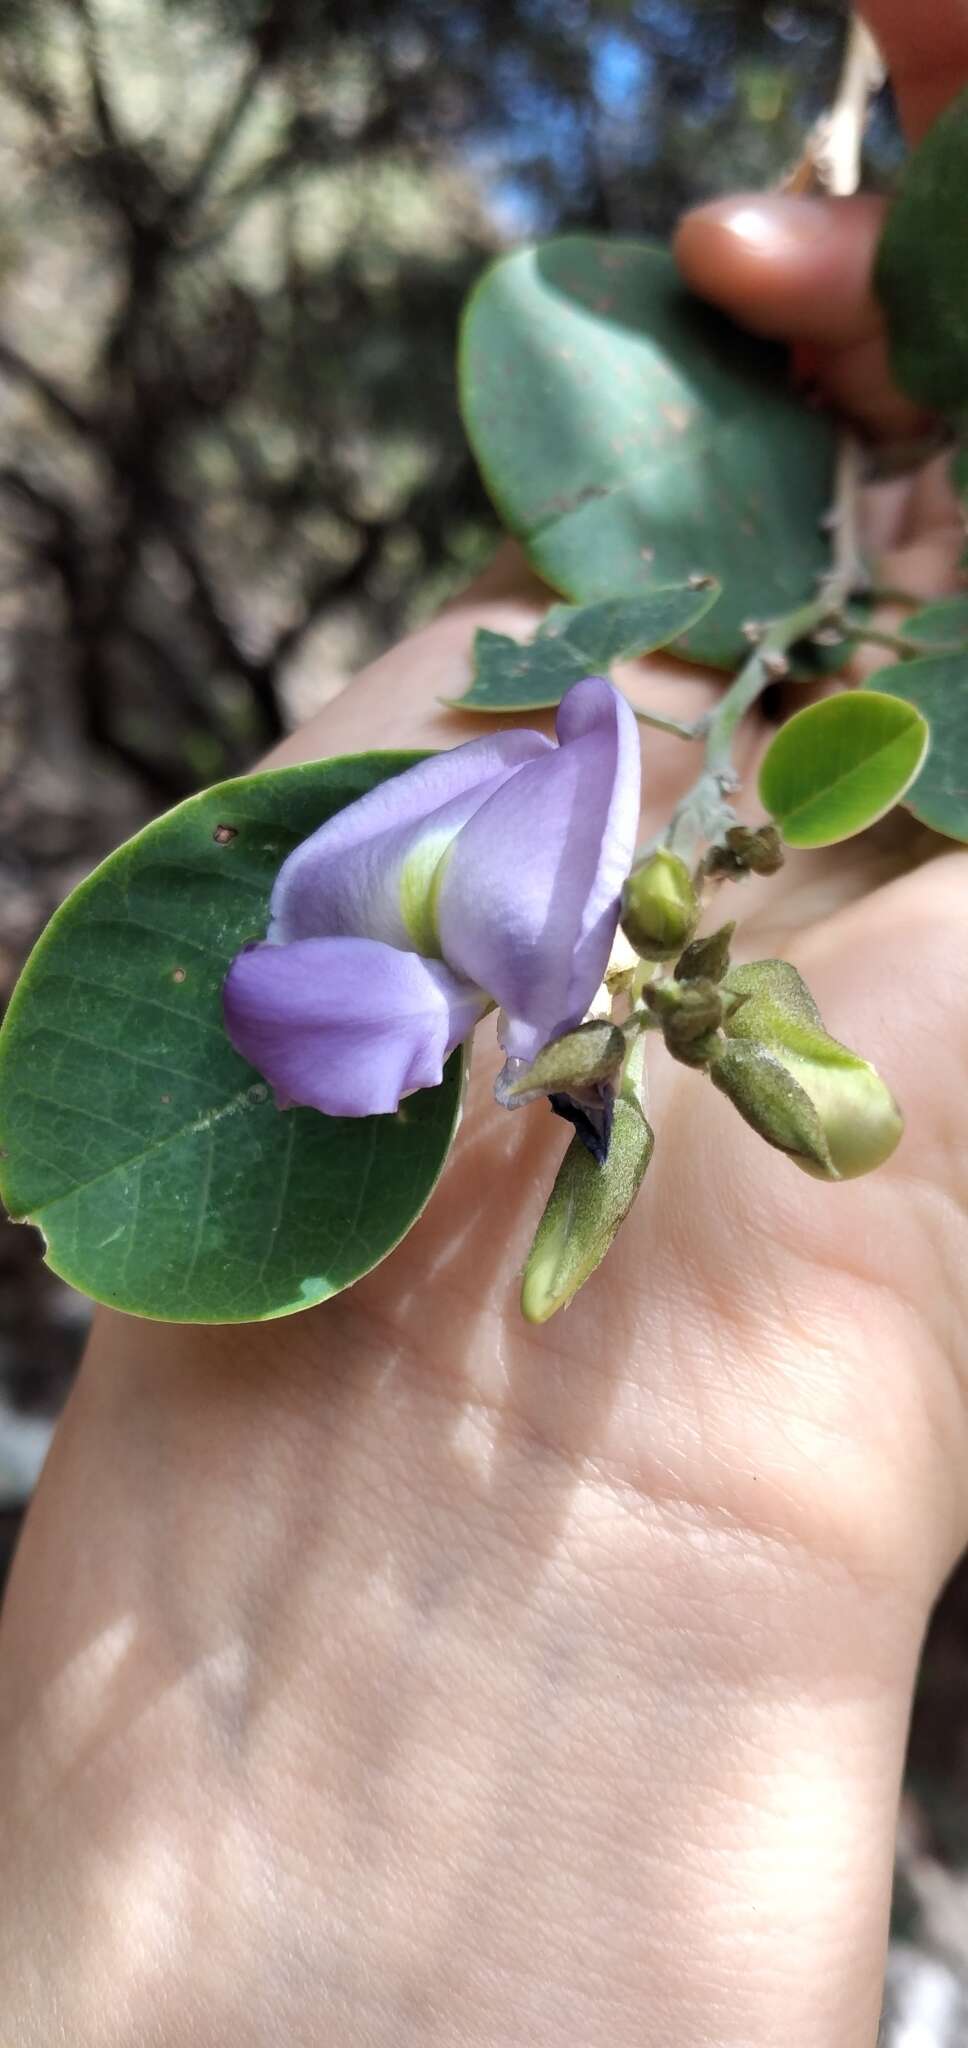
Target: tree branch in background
100 102
221 138
67 551
260 675
15 365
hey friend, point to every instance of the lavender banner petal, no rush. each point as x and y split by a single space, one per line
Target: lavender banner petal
528 903
349 877
346 1026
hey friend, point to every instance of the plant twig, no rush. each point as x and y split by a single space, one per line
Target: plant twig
830 158
905 645
831 163
682 728
833 158
705 811
848 572
890 593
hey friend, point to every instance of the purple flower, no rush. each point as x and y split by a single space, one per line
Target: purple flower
490 874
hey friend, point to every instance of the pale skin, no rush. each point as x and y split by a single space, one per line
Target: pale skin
400 1674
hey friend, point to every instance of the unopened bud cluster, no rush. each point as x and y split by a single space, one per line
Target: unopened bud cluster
755 1030
745 850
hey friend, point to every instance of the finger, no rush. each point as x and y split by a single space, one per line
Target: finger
799 270
925 48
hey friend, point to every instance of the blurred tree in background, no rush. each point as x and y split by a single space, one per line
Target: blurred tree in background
233 247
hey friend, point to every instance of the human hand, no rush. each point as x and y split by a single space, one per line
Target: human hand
403 1674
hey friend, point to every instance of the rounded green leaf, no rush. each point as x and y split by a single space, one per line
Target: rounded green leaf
938 686
630 436
836 767
151 1156
921 276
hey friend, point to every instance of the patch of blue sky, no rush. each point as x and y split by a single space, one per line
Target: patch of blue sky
621 71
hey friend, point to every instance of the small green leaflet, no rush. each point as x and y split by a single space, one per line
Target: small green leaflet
938 685
838 766
576 641
151 1156
629 436
921 276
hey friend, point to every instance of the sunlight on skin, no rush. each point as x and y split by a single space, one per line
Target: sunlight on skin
569 1667
696 1423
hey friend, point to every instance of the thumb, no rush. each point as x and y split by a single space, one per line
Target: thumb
799 270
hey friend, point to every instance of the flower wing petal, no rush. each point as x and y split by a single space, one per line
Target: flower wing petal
346 878
346 1026
529 897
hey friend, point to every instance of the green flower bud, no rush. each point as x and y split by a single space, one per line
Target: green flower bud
854 1122
779 1110
862 1122
707 959
586 1208
660 908
690 1013
593 1052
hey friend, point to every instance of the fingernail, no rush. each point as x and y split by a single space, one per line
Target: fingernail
767 223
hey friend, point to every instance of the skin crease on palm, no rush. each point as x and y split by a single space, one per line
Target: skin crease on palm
400 1674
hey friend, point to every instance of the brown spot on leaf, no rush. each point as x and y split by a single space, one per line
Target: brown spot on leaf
179 974
223 833
572 501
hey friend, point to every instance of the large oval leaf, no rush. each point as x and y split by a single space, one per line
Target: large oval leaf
631 436
836 767
921 276
938 685
151 1156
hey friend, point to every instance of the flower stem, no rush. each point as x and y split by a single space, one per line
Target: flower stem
684 729
831 163
889 593
903 644
635 1076
704 811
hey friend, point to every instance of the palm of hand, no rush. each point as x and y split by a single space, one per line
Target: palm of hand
758 1344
